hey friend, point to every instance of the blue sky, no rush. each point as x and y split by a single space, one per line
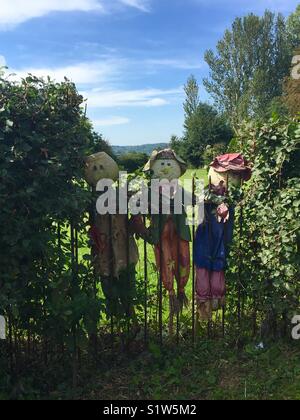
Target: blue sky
130 58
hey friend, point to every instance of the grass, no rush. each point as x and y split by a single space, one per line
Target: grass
199 173
213 370
210 370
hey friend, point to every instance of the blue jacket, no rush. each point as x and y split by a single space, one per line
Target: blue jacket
213 240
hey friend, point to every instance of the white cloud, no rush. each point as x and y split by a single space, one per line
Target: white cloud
102 84
175 63
98 82
130 98
89 73
14 12
142 5
111 121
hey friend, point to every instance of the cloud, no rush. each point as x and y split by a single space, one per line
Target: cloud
89 73
14 12
175 63
111 121
130 98
99 82
142 5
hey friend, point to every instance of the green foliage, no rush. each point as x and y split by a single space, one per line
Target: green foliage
293 25
209 370
44 136
131 162
291 96
204 126
99 144
251 62
212 151
271 217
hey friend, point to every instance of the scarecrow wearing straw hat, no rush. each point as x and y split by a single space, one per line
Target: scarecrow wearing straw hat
215 234
169 233
114 250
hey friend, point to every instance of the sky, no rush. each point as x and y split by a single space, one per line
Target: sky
129 58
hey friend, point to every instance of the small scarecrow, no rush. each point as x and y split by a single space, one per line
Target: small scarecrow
169 233
215 234
114 250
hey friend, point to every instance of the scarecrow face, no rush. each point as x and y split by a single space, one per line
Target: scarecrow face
100 166
166 169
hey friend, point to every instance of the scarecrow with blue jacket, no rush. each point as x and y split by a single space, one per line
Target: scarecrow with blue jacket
215 233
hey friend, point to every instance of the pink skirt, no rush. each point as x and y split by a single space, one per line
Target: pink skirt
210 285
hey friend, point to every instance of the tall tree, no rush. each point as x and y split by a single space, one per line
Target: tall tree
203 126
192 100
249 67
293 25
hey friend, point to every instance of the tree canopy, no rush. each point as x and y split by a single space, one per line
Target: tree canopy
204 126
249 66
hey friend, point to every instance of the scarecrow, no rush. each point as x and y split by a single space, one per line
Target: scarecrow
114 250
215 234
169 233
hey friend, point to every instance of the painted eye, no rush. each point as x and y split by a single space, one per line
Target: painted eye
162 164
169 164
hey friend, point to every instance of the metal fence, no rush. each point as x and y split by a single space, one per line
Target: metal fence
152 321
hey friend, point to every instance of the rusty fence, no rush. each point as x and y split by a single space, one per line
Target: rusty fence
152 310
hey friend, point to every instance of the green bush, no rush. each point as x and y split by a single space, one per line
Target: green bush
131 162
266 259
44 136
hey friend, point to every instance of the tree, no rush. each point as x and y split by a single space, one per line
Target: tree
101 145
293 25
291 95
249 67
203 126
212 151
192 100
131 162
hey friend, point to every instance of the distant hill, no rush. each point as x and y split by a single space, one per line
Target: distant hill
144 148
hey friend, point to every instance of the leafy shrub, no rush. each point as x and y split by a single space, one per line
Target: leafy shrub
268 250
131 162
44 136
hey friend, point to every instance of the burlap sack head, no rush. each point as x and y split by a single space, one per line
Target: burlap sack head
100 166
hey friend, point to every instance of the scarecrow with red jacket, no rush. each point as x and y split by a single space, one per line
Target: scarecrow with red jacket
169 233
